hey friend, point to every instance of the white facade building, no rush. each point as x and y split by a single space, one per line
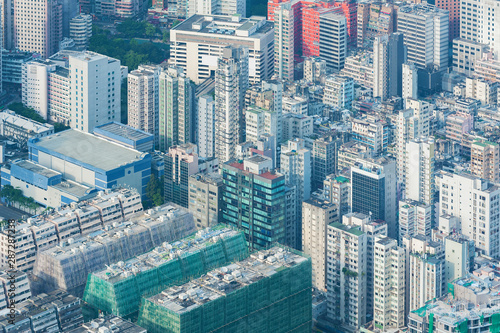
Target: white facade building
231 83
420 170
389 284
476 202
216 7
410 82
425 28
80 30
284 39
415 218
206 126
339 91
316 216
197 42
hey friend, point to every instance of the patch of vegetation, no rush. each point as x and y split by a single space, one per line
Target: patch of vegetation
154 192
16 195
128 50
27 112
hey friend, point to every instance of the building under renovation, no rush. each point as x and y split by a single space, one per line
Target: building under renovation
118 288
270 291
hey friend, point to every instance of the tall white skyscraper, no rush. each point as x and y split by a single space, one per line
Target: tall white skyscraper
296 167
425 28
206 126
79 89
410 82
231 83
415 218
143 99
420 170
316 216
284 42
389 284
95 82
38 26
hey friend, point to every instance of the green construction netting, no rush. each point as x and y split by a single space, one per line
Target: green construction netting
463 327
495 323
451 289
123 298
431 322
277 303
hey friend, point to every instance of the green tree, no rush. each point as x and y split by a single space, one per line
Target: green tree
166 36
154 191
151 30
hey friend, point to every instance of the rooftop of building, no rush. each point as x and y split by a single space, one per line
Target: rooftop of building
385 241
455 311
319 202
109 323
231 25
256 158
225 280
76 189
484 143
162 254
29 125
88 149
352 229
212 178
124 131
36 168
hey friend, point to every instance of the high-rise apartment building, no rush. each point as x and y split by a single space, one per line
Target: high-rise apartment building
324 159
38 26
338 191
427 279
317 214
485 160
80 89
419 170
371 132
415 218
423 48
339 91
296 164
231 83
206 126
314 69
479 22
372 229
180 163
374 19
284 42
475 202
205 199
409 82
346 274
373 190
260 208
216 7
259 121
80 30
388 58
175 108
94 103
333 40
198 41
143 100
453 8
411 123
307 21
389 284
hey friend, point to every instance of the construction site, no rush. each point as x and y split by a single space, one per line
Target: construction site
67 265
119 287
270 291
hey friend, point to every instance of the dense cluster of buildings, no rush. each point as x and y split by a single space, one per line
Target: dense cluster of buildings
363 134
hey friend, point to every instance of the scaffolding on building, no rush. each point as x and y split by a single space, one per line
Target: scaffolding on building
271 291
118 288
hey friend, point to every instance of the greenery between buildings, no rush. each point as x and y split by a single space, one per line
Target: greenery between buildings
154 192
15 195
126 45
30 113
